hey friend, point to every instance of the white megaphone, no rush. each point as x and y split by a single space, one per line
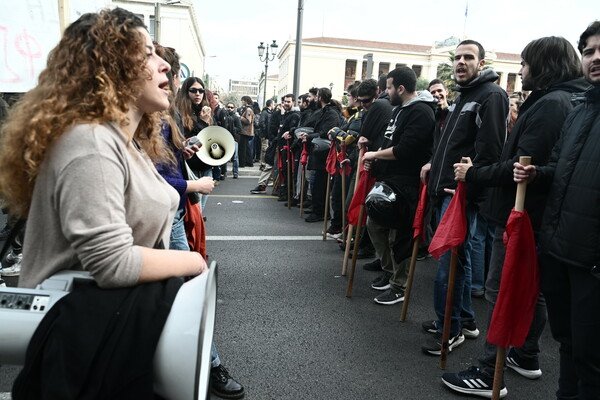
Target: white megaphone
218 146
183 353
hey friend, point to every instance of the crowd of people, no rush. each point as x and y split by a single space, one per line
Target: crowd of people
132 121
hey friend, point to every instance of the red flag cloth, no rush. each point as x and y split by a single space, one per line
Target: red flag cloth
519 287
365 183
453 228
304 155
331 162
346 168
194 228
420 214
280 166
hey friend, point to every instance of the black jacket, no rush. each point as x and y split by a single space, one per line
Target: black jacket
263 123
570 228
326 118
476 128
280 124
375 121
536 131
410 133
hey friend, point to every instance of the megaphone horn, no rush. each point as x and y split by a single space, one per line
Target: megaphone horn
218 146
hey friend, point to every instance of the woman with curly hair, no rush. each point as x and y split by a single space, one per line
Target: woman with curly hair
76 160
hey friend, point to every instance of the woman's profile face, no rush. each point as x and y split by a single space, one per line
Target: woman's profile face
155 90
196 93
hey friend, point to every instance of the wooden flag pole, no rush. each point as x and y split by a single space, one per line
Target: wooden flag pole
343 201
351 227
326 212
448 312
289 176
302 190
501 351
361 214
409 280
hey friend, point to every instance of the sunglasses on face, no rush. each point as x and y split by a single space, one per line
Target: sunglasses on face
366 100
196 90
230 108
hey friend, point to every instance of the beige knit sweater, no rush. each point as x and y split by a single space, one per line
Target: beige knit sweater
96 199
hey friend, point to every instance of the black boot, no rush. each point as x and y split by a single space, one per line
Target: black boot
223 385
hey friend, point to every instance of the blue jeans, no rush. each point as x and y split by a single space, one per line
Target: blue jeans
475 249
178 241
236 161
461 304
204 197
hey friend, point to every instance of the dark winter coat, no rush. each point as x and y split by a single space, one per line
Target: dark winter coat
570 230
475 128
327 118
375 121
410 134
536 131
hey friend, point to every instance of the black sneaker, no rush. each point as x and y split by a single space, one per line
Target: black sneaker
390 296
223 385
257 190
374 265
333 233
469 329
423 254
477 293
472 381
382 282
433 345
527 367
430 326
314 218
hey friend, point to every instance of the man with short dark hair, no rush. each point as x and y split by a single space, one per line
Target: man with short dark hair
475 127
552 71
569 251
406 146
280 123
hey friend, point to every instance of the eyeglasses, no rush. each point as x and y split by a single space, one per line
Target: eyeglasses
196 90
230 107
370 99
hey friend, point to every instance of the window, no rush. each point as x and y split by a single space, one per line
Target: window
417 69
350 74
384 68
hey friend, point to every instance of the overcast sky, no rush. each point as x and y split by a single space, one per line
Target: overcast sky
232 29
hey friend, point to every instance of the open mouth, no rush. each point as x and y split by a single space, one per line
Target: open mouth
164 86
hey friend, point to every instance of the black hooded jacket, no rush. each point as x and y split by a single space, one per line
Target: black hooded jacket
570 228
536 131
475 127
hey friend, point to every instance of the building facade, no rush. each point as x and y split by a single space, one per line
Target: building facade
173 24
243 87
336 63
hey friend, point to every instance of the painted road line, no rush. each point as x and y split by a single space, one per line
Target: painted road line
269 238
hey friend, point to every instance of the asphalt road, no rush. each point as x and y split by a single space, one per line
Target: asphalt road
285 329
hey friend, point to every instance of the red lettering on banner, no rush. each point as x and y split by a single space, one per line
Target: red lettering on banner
29 47
15 76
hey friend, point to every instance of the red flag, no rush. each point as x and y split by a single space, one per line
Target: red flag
331 162
280 166
365 183
453 228
519 287
304 155
346 168
420 214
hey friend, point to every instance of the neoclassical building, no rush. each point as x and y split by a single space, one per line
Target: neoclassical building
337 62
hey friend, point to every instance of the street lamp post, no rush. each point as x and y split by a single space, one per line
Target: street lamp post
267 57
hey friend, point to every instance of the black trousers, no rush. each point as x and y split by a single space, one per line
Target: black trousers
573 302
244 156
319 190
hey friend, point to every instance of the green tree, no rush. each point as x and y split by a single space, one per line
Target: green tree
422 84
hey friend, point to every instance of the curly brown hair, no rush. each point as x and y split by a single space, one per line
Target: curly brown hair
91 76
